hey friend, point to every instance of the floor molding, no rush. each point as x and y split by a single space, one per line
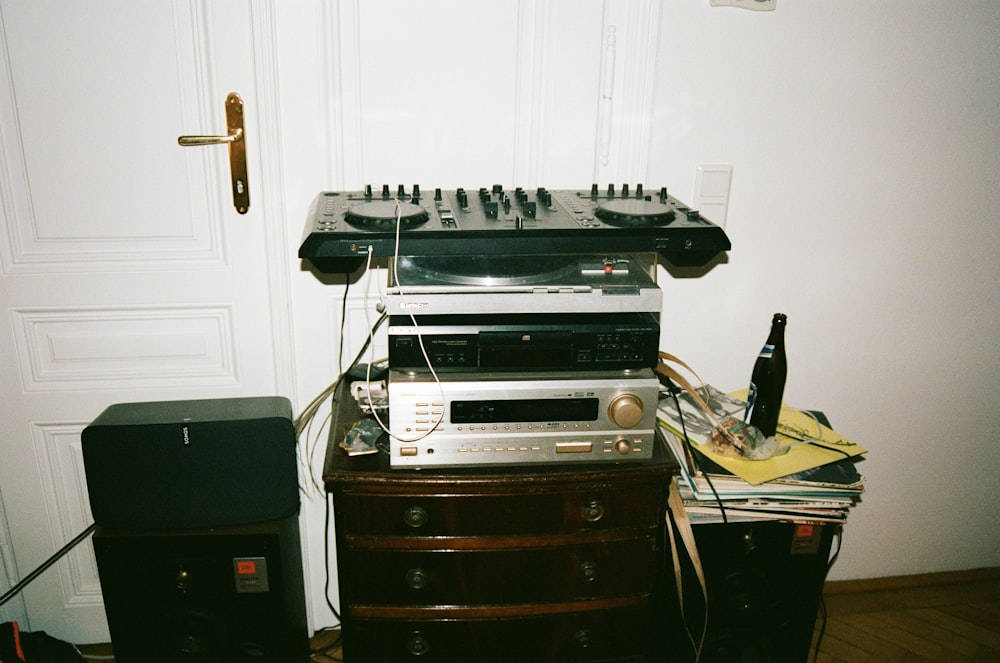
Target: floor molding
911 581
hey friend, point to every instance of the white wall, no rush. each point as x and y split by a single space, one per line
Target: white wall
864 139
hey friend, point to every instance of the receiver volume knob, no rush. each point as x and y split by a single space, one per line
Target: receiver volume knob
625 410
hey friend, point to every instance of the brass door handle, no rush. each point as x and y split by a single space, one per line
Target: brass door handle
188 141
236 140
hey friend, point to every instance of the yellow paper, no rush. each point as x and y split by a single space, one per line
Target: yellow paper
830 447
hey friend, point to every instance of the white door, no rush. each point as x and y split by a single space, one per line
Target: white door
126 274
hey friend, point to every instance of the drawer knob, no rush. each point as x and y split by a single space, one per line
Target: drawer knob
593 511
588 571
416 578
583 638
415 516
418 644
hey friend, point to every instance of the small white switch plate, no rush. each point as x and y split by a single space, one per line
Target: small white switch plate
711 192
757 5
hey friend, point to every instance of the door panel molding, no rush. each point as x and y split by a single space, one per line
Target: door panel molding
71 349
340 93
630 34
59 454
48 196
271 194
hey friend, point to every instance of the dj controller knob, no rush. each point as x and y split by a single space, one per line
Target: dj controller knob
625 410
544 197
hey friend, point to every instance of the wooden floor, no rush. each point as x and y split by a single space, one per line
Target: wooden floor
913 619
950 617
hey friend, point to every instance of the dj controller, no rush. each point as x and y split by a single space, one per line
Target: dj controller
523 325
343 226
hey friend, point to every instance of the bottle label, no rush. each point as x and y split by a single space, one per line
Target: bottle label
767 351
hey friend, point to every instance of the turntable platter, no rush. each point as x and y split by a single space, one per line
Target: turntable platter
485 270
634 213
382 214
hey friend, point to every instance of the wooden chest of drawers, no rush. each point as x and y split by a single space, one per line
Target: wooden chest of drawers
523 564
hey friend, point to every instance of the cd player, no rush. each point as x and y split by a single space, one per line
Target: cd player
524 342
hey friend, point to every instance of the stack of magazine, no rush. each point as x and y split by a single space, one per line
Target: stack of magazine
811 478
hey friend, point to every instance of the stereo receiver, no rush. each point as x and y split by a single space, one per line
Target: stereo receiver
488 418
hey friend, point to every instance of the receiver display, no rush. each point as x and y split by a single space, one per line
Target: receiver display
518 410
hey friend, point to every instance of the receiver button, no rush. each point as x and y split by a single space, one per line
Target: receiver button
574 447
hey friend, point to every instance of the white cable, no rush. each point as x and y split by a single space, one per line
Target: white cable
420 343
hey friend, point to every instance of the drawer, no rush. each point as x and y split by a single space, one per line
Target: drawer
600 508
498 576
618 634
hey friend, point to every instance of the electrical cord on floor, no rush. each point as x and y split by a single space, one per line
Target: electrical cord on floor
46 564
822 601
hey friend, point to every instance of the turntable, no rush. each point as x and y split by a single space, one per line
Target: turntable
344 227
515 284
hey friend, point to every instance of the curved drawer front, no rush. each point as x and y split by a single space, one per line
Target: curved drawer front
617 634
582 510
499 576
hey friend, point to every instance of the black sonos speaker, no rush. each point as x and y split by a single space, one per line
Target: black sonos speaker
233 594
765 581
198 463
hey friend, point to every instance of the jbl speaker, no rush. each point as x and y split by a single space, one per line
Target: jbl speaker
188 464
233 594
765 581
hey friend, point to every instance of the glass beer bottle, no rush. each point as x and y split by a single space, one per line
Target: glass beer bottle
767 382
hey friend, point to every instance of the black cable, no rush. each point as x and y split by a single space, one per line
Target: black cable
343 318
46 564
672 389
326 558
333 405
822 599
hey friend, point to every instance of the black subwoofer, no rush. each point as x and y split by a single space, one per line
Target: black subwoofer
222 595
197 543
765 581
